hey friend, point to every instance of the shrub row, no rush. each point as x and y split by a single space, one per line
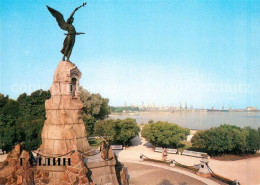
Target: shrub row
227 139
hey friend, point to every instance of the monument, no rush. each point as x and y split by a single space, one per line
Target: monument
64 131
67 26
65 156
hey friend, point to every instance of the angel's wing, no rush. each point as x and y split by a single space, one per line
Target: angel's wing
59 18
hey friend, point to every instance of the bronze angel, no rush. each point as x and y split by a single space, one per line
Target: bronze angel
67 26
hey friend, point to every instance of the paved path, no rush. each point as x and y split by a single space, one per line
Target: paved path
3 157
142 173
187 176
246 171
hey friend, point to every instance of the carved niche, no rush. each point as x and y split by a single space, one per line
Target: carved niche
75 75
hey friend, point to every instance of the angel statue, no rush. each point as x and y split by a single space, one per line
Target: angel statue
67 26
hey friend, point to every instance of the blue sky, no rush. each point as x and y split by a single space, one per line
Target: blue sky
163 52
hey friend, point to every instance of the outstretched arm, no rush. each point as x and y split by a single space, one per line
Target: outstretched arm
74 33
77 9
73 13
80 33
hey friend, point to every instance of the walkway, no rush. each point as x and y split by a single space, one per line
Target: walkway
245 171
152 174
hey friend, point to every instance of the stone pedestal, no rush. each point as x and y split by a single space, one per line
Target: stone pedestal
64 130
203 170
102 171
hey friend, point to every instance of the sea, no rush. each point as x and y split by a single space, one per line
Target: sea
195 120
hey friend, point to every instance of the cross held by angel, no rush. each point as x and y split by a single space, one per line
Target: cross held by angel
67 26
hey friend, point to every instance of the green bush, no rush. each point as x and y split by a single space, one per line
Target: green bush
7 132
3 101
128 130
164 134
117 131
95 108
227 139
11 108
252 140
33 106
32 134
22 120
94 104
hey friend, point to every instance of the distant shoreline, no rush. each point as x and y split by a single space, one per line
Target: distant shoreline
188 110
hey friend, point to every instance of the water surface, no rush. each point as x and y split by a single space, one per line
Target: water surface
196 120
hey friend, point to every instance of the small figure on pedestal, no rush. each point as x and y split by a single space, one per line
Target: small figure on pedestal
106 151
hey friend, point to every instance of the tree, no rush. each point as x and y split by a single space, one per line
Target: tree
32 132
164 134
8 114
89 122
7 139
94 108
11 108
99 128
33 106
104 109
32 117
94 104
107 129
21 97
117 131
3 101
253 140
227 139
128 130
7 131
200 139
22 120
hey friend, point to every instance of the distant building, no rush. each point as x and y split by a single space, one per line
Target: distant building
230 108
251 108
180 106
